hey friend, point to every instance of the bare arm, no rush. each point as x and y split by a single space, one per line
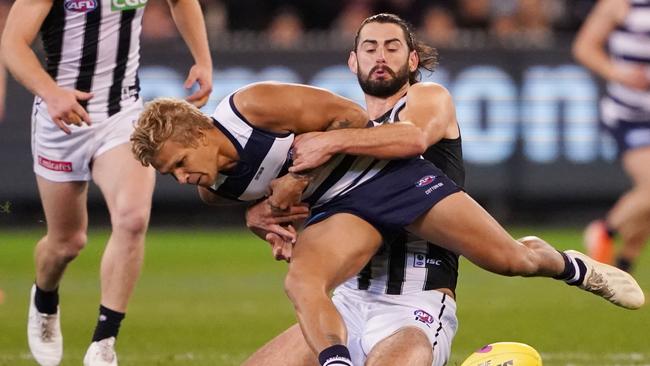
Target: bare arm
188 17
298 108
589 45
429 116
23 23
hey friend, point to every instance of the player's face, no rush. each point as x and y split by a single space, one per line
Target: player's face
382 60
187 164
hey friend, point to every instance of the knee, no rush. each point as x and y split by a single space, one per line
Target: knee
131 221
301 286
67 247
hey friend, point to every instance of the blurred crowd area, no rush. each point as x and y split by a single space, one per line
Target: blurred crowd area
444 23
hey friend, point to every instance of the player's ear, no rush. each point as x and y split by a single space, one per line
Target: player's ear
414 60
201 136
352 62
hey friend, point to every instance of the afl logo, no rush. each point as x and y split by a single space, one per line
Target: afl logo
425 181
80 6
423 316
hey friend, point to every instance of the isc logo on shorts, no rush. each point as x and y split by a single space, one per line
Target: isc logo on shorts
120 5
80 6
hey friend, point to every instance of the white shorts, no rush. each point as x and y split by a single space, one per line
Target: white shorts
370 318
60 157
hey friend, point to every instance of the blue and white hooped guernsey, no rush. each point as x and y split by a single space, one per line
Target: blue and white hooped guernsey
264 155
629 44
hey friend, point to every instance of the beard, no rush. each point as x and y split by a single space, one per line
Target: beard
383 88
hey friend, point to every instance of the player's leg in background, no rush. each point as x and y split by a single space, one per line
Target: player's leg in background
127 187
287 349
64 205
630 216
459 224
326 254
408 346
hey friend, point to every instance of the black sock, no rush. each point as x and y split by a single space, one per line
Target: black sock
108 324
574 270
337 355
46 301
624 264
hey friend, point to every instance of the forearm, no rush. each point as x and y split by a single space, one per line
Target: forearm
189 20
389 141
594 57
22 63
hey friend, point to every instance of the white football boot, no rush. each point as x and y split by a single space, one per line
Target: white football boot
44 335
101 353
609 282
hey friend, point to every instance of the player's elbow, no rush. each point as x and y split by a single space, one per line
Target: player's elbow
579 50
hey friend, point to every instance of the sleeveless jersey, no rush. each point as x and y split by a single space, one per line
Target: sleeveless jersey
629 44
94 46
265 155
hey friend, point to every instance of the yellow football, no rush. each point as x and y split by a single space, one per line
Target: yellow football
504 354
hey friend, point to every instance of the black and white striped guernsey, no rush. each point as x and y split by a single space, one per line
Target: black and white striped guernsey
409 264
94 46
629 45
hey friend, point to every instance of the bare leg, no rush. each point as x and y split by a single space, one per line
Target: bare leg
462 226
287 349
65 211
67 221
326 254
631 214
409 346
127 187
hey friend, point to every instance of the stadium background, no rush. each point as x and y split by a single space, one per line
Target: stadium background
210 293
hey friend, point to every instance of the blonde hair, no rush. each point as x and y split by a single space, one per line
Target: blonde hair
166 119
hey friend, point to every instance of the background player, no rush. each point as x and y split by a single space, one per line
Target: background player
625 112
86 103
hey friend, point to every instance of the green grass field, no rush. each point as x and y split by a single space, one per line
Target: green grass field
213 297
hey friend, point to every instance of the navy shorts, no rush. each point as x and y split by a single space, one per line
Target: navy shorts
402 192
630 135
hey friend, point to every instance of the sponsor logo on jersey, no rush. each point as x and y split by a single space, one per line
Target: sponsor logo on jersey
57 166
423 316
80 6
420 260
121 5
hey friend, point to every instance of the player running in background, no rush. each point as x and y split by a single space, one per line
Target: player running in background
624 26
86 103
